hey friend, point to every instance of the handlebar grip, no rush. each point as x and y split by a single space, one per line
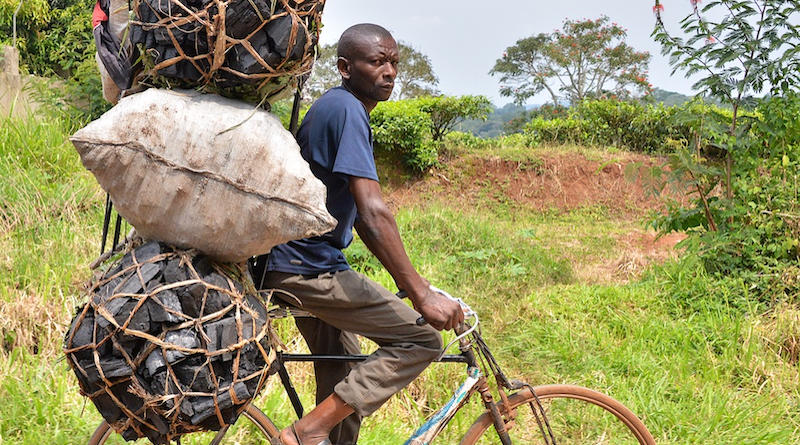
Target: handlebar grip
421 321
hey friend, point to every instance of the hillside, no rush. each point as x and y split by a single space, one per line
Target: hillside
556 182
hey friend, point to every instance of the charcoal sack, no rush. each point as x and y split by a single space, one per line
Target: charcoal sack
205 172
169 343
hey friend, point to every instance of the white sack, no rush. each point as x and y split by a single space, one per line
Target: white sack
201 171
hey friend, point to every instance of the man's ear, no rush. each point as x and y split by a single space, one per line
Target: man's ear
344 67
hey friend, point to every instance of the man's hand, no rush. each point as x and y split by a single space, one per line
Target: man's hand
441 312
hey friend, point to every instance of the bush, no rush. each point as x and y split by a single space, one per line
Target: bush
402 127
467 140
753 235
627 125
416 128
446 111
555 131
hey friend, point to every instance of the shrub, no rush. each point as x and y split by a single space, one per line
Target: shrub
555 131
755 234
467 140
416 128
446 111
402 127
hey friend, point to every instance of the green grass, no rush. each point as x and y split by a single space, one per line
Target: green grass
683 351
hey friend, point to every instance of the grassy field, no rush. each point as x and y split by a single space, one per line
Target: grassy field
666 341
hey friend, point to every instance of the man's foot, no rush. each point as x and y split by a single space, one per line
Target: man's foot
290 436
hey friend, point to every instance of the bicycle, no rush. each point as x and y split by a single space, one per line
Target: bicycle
520 414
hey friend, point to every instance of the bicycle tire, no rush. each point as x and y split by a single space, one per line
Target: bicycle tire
563 404
104 434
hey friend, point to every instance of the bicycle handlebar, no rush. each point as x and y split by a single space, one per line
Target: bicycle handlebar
468 312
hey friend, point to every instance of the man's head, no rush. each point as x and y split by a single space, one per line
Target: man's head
368 57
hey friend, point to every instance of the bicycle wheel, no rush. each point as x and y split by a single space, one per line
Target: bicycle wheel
576 416
253 427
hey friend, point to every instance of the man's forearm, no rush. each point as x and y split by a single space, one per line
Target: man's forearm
379 232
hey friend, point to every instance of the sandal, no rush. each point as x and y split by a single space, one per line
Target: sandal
277 439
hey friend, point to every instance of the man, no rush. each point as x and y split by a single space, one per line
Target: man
336 140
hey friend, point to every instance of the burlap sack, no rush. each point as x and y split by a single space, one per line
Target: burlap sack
204 172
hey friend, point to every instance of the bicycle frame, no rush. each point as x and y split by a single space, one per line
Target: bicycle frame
475 381
468 338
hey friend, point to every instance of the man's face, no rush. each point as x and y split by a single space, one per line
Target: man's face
371 72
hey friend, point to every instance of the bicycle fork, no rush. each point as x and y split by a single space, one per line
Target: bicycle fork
497 416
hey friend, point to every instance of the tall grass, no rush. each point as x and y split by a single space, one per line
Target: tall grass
697 367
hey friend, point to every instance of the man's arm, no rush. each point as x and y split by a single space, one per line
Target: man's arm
378 229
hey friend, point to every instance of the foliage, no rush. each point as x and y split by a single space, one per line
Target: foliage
447 111
52 39
742 216
495 122
55 39
324 75
416 128
588 59
630 125
756 234
402 127
466 140
32 18
415 76
752 47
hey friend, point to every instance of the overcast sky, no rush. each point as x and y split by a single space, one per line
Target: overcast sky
464 38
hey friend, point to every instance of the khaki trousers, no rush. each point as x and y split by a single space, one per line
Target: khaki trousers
347 303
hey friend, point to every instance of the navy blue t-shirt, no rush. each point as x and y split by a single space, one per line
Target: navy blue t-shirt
336 140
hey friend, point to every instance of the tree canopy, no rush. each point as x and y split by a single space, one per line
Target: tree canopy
586 59
415 76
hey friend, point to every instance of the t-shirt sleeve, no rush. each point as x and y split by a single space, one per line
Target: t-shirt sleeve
354 156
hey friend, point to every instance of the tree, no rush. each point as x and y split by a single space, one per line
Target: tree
324 75
447 111
588 59
749 229
415 77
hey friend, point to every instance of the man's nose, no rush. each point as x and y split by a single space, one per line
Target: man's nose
390 71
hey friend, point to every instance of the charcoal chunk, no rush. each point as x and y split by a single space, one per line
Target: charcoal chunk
191 297
130 285
158 305
241 60
147 251
202 264
164 8
174 273
155 363
105 291
278 32
82 332
243 17
203 407
108 409
185 338
130 434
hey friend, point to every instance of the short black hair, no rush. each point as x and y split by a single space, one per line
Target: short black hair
353 36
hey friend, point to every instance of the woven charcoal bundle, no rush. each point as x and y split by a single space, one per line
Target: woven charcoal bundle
247 49
169 343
